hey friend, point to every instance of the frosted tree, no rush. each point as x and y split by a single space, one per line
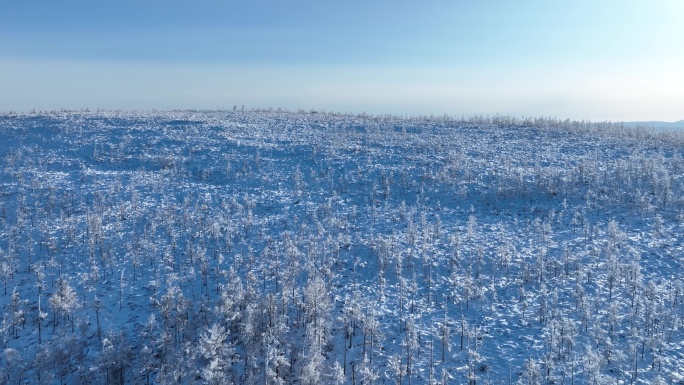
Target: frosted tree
299 184
657 230
347 318
318 306
8 266
336 375
14 368
531 373
474 360
148 362
395 369
115 357
232 300
216 352
368 374
371 331
64 301
173 306
16 312
43 364
249 340
312 366
275 349
410 345
592 363
444 331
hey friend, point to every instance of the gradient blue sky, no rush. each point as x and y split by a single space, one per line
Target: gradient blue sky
581 59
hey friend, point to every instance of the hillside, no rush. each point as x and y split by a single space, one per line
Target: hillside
270 247
678 125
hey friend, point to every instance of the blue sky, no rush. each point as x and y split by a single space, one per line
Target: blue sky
598 60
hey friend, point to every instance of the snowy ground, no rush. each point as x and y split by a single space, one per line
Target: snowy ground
282 247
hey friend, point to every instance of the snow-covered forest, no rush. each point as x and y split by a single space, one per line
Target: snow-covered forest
278 247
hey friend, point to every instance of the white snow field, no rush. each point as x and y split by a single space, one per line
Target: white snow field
277 247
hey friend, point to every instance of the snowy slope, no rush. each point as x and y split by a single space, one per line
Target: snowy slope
292 247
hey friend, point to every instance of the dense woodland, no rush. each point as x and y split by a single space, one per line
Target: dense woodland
278 247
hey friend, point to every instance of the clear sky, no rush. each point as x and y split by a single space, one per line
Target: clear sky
580 59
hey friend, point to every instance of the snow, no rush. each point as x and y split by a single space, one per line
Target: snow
304 245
